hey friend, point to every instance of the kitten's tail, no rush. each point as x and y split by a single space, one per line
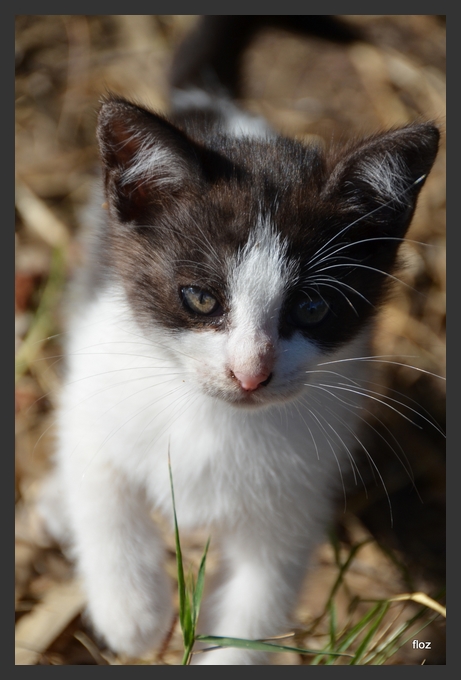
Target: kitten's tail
206 74
210 56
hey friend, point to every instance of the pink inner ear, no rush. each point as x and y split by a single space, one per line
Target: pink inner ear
125 144
135 141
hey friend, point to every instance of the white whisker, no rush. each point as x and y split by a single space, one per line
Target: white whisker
380 360
373 269
370 240
364 217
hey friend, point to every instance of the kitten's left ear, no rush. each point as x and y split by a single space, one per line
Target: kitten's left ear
146 159
386 172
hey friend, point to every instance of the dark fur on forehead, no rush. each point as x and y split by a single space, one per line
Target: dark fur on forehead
183 201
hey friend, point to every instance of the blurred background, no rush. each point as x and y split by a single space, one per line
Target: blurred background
381 71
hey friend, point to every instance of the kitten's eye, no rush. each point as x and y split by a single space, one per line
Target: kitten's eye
200 301
308 311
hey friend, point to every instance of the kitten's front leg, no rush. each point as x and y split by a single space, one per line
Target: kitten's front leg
255 602
120 558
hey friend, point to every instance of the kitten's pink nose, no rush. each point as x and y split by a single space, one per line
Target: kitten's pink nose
251 361
249 382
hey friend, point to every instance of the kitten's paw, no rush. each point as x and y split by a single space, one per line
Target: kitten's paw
129 623
51 522
230 656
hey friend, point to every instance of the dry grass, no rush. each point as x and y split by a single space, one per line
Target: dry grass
312 88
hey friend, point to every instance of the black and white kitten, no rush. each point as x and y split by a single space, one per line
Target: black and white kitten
233 271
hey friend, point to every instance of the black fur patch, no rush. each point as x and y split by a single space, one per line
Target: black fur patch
342 214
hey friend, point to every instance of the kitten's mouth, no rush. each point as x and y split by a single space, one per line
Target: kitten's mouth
259 397
250 399
249 391
246 398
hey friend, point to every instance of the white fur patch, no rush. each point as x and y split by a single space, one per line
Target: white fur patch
258 284
259 279
155 162
236 122
387 175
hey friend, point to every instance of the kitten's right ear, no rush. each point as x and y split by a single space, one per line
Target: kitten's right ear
146 159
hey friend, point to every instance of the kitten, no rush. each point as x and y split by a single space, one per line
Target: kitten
232 272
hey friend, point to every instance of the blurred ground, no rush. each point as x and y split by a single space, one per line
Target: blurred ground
305 87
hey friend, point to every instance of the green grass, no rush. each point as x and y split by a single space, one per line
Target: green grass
43 324
373 639
190 592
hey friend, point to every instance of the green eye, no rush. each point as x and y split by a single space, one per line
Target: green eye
308 311
200 301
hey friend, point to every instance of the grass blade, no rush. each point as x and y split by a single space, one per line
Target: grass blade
258 645
344 567
424 599
397 640
185 610
198 590
380 612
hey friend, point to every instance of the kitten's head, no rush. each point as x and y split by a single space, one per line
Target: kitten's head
255 257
